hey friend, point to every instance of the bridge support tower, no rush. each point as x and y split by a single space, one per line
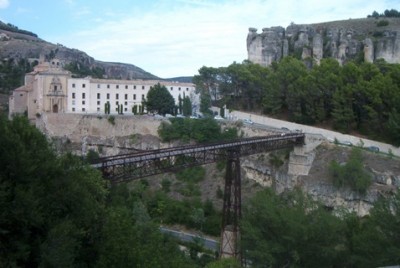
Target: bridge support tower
231 211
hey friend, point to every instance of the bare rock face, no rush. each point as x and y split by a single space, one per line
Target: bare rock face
317 182
342 40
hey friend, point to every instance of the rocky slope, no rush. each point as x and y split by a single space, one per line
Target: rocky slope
369 39
17 45
81 133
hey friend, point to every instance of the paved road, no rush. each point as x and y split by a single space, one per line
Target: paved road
275 124
187 237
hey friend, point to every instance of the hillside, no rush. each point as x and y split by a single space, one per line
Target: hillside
16 45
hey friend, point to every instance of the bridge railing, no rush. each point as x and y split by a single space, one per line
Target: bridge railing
141 164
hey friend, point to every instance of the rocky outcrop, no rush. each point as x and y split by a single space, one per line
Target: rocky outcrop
305 167
317 183
342 40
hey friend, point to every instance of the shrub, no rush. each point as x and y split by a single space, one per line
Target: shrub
382 23
351 174
111 120
166 185
193 174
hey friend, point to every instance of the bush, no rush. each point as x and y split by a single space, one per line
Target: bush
193 174
351 174
166 185
382 23
111 120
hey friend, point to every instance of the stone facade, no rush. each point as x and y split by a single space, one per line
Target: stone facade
51 89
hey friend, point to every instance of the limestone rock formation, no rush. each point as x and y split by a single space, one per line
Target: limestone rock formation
342 40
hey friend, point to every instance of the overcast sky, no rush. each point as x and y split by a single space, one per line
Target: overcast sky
171 38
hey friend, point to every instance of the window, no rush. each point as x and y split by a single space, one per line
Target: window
98 102
142 87
126 103
126 96
98 85
142 96
187 89
98 109
83 102
83 85
73 109
116 103
117 86
98 96
179 88
134 87
73 102
73 85
108 86
126 109
172 88
116 96
83 95
83 109
73 95
126 87
55 88
108 96
134 96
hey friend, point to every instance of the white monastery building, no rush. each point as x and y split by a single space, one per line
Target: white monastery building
51 89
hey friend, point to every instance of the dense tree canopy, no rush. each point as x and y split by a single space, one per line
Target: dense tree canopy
57 212
159 100
363 97
199 130
292 230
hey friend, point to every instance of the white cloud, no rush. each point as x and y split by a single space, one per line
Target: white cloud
4 3
177 40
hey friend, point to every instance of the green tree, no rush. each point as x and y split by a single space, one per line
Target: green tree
159 100
290 230
57 212
187 106
352 173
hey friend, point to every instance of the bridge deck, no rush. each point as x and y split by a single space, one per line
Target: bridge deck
140 164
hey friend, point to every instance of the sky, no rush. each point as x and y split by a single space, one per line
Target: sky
171 38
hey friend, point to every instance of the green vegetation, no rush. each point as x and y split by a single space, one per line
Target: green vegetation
362 97
80 70
292 230
199 130
393 13
159 100
56 211
111 119
382 23
352 173
187 106
12 73
12 28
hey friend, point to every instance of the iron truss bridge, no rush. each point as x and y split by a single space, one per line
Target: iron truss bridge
137 165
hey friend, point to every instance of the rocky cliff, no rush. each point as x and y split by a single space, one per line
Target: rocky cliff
369 39
306 167
17 46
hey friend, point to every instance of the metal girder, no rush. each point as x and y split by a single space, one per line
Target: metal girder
142 164
231 210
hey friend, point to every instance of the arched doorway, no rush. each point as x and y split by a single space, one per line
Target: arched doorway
55 108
